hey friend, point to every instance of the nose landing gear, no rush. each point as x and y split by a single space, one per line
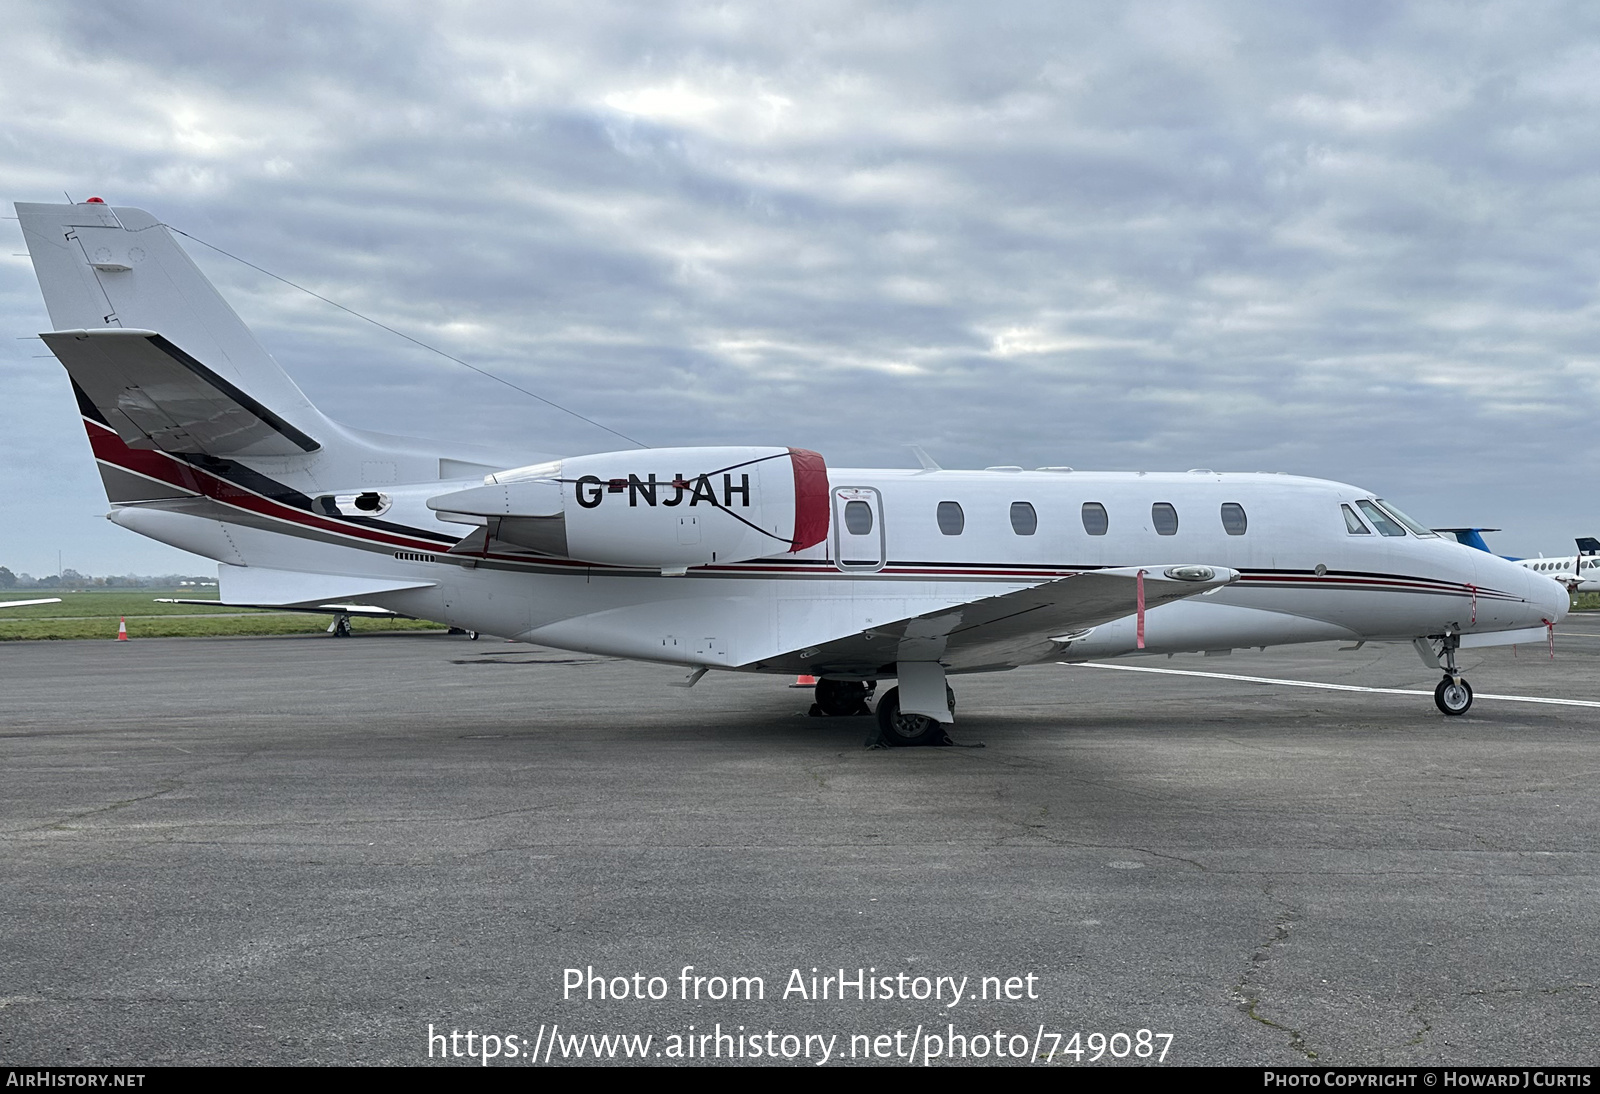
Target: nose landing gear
1453 695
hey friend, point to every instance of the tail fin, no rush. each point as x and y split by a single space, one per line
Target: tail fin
103 267
1470 537
179 399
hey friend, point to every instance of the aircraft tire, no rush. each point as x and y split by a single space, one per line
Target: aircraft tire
906 729
1452 697
841 698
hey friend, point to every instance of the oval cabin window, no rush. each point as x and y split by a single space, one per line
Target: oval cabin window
1095 521
1024 521
857 517
951 519
1233 519
1165 518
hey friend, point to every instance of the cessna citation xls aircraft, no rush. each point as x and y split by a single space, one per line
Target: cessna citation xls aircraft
757 559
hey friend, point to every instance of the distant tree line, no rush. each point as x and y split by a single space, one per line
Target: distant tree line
72 579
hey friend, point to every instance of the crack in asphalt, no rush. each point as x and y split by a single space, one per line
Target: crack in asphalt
1247 993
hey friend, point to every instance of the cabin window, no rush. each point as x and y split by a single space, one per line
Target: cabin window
1024 521
1352 523
1095 521
1165 518
858 517
951 519
1234 521
1380 520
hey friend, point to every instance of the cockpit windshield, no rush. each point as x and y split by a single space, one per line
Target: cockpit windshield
1416 529
1380 520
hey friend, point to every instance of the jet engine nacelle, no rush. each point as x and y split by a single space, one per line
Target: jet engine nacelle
664 508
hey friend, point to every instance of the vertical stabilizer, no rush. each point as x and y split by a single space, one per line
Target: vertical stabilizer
101 266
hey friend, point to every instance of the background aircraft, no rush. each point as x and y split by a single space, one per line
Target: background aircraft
1578 573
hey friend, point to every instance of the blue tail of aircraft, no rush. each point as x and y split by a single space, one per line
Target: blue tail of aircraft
1470 537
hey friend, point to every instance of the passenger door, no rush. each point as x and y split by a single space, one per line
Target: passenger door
859 542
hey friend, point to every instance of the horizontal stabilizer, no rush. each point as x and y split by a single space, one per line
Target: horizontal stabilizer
156 396
253 586
321 609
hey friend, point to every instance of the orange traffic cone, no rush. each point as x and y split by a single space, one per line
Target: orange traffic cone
122 628
804 682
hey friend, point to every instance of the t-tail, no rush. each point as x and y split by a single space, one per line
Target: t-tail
187 413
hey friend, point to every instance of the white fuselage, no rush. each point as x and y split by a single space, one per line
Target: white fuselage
1306 576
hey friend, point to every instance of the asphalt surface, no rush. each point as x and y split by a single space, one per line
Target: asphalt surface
309 850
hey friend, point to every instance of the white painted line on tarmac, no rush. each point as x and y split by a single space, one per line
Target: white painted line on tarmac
1328 687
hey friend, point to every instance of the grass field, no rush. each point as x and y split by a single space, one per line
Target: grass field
95 613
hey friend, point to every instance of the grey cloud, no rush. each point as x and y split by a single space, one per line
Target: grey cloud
1354 240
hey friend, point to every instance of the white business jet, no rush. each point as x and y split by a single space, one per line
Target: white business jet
757 559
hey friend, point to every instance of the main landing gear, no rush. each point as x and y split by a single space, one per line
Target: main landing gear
1453 695
340 627
897 728
842 698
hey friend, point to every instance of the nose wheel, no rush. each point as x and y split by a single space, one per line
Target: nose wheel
1453 695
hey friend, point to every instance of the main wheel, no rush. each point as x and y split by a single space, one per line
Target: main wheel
905 729
1453 695
841 698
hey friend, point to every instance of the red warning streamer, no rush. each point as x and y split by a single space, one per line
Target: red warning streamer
1139 587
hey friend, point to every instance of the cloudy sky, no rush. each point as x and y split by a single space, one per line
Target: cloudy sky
1352 240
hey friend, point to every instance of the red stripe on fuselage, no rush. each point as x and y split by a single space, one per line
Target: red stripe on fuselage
162 467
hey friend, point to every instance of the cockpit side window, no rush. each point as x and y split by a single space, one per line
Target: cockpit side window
1352 523
1416 529
1380 520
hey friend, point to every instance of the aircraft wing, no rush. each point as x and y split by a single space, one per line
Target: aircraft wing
156 396
969 626
1010 629
26 603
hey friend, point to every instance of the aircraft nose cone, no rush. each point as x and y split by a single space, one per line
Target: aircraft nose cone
1550 597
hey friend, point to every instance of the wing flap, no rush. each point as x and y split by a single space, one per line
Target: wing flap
1005 630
